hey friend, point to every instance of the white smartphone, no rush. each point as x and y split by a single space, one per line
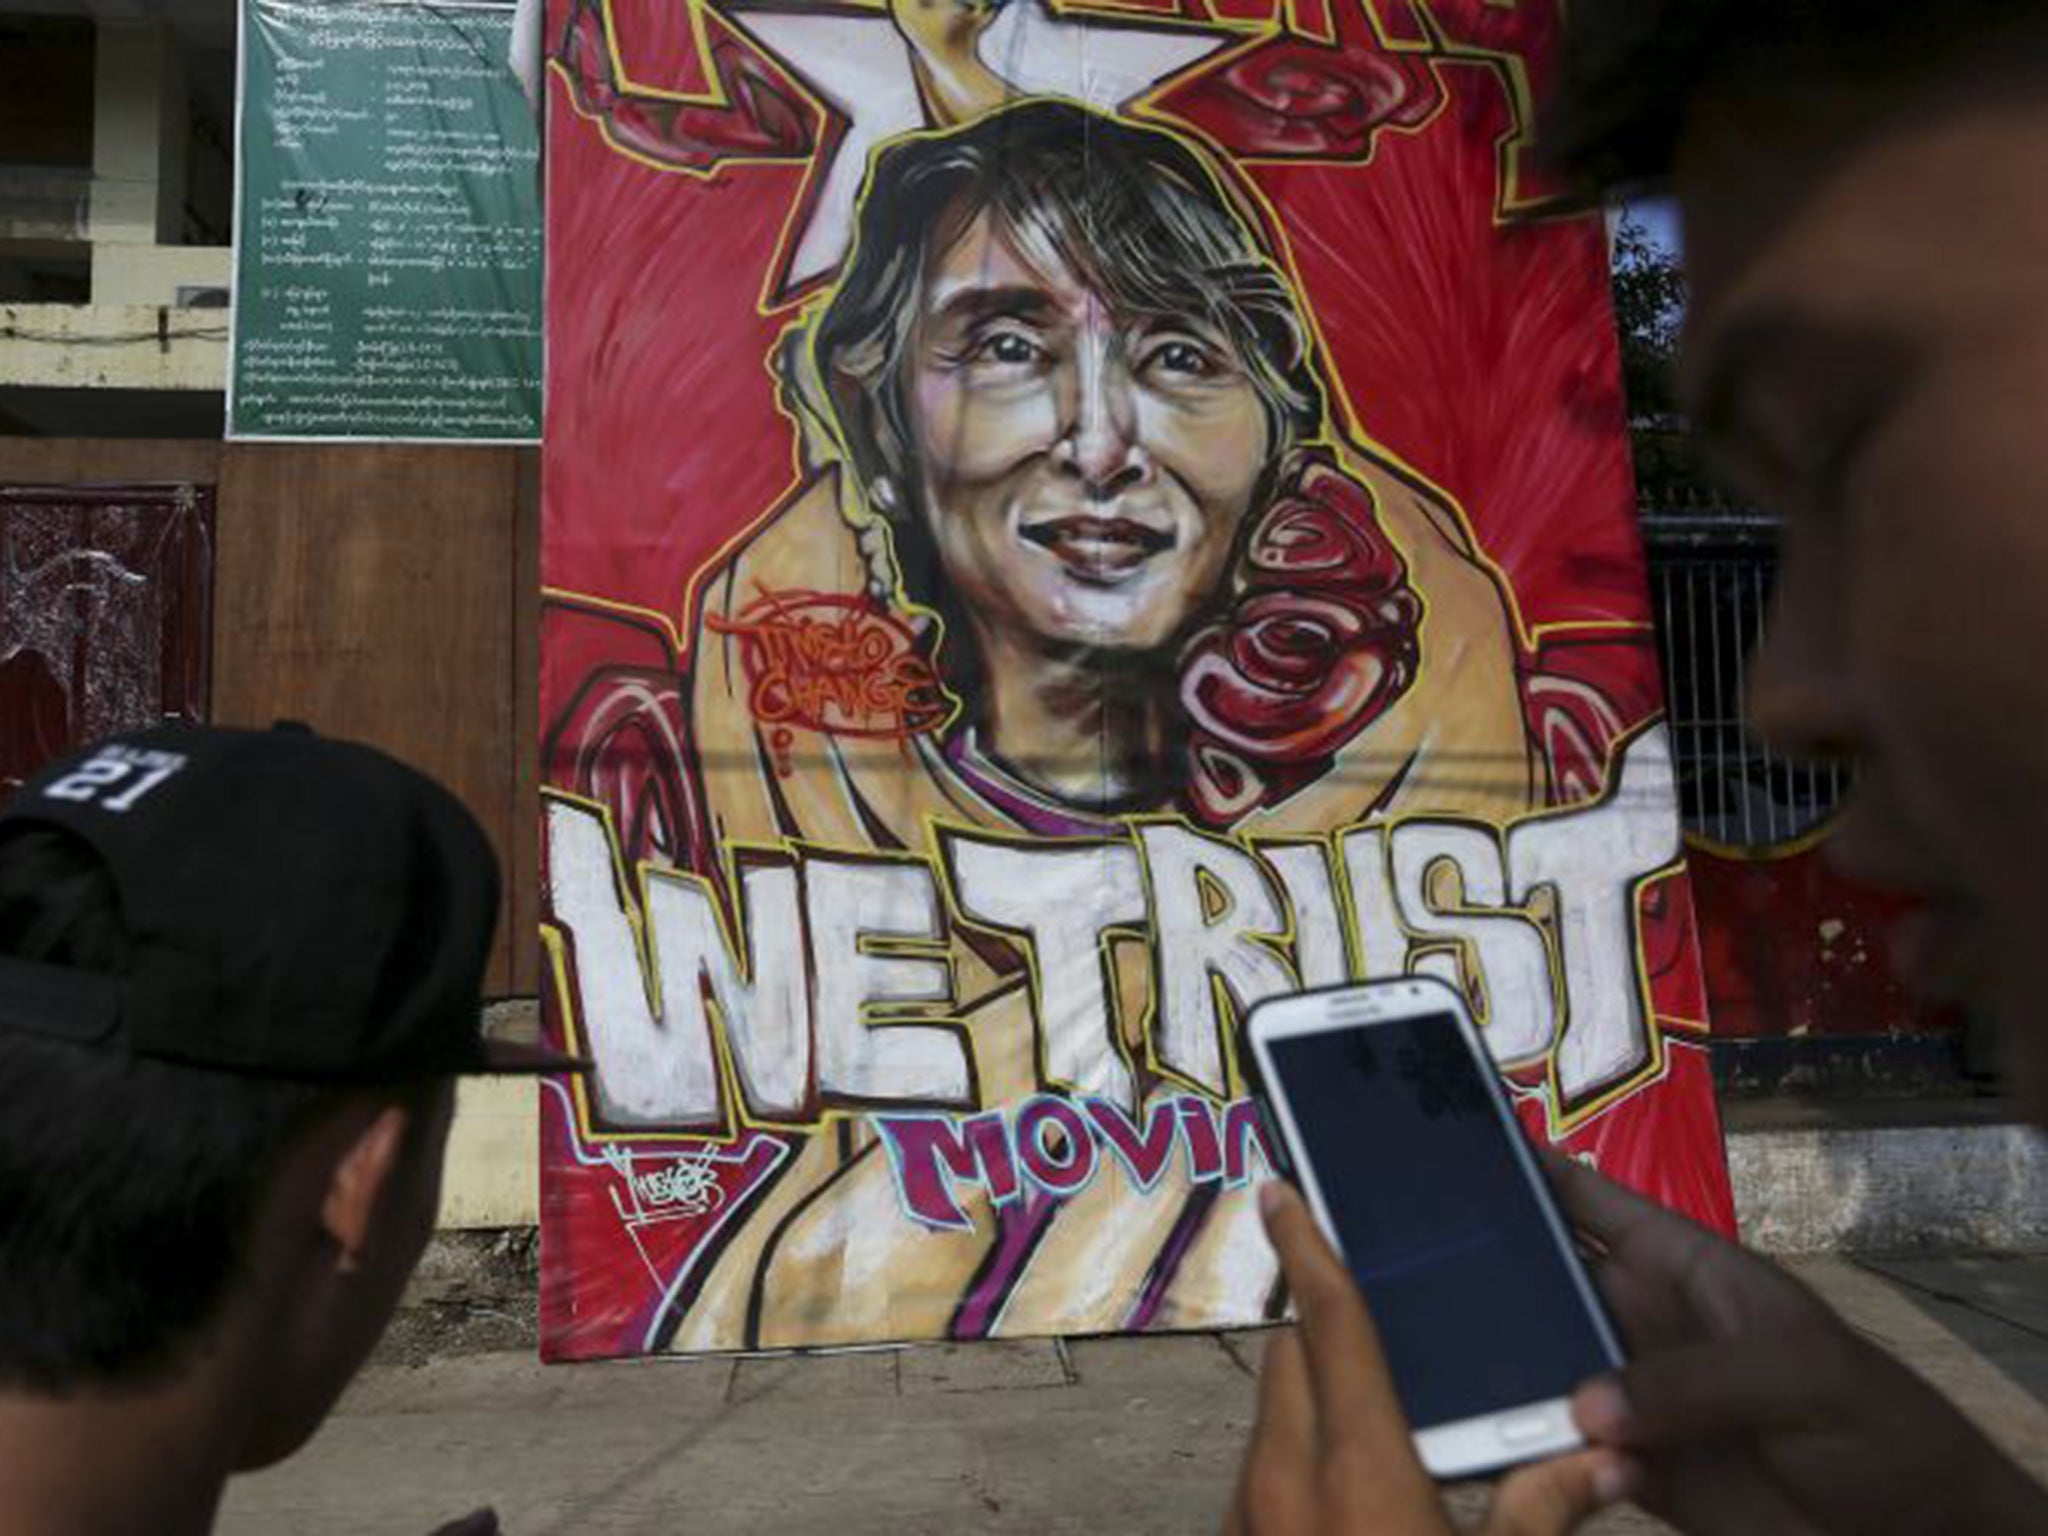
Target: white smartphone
1397 1128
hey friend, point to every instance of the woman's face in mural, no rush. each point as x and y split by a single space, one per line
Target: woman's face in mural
1083 472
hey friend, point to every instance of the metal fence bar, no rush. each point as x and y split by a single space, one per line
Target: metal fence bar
1711 579
1662 581
1759 803
1704 784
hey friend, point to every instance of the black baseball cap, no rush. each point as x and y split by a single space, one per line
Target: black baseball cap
298 907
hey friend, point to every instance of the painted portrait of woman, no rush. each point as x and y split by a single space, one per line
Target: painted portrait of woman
1079 532
1061 418
1076 541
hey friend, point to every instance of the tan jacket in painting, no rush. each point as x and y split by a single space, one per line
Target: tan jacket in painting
826 1255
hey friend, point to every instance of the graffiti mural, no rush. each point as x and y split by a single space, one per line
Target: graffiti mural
106 600
1063 521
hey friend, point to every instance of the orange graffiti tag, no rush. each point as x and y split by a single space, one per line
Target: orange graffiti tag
829 662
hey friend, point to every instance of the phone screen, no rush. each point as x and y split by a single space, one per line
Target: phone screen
1476 1308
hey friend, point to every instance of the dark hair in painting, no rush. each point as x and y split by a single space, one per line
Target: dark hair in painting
1635 69
128 1186
1133 212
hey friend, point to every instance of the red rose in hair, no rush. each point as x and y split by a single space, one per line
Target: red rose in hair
1320 638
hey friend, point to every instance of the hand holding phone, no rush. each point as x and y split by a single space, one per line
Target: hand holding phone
1331 1453
1405 1146
1750 1406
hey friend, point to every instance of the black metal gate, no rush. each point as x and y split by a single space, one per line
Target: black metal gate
1711 576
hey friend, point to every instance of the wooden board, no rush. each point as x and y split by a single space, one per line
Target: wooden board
373 591
525 836
99 460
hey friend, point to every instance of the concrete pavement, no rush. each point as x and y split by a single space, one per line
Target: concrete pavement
1997 1303
1103 1435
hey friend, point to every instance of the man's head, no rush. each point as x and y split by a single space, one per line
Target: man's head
1066 368
1867 351
237 973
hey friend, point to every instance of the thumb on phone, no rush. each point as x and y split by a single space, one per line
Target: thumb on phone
1358 1422
1552 1497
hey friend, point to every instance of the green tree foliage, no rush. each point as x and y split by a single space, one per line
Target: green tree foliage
1649 309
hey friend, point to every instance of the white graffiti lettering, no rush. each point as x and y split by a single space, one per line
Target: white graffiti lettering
832 985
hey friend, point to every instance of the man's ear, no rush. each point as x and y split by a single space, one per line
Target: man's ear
360 1176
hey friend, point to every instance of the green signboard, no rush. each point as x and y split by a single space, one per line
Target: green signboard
388 227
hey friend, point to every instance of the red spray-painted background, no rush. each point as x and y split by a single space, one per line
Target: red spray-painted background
1468 336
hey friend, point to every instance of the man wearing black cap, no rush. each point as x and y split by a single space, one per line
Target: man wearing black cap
239 972
1867 352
